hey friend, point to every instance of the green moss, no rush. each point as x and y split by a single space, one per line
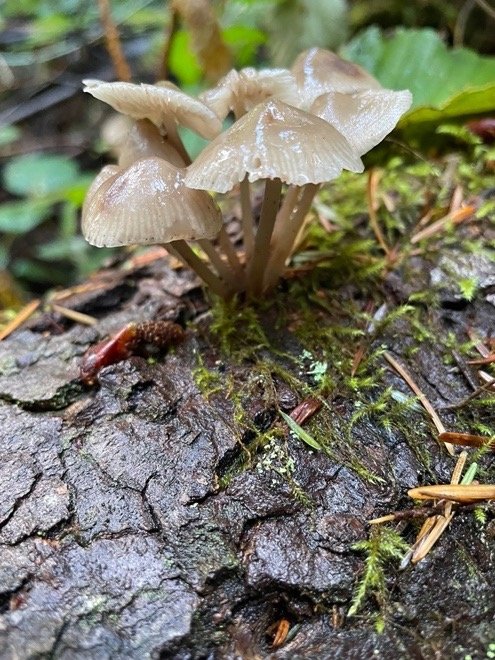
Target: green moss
317 334
237 329
383 546
208 381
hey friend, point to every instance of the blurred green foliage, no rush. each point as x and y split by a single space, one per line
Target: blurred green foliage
445 83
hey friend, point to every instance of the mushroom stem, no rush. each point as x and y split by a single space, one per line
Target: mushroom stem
247 218
231 254
288 205
288 229
171 134
182 250
269 209
222 268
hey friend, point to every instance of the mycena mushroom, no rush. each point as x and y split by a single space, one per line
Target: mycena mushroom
279 144
354 103
163 104
158 110
148 202
239 92
294 130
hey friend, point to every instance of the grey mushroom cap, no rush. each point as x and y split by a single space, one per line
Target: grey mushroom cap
147 203
240 91
145 141
158 103
366 117
274 140
318 71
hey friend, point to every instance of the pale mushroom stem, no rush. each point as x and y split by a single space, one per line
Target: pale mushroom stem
269 209
222 268
182 250
283 241
247 218
172 136
288 205
231 254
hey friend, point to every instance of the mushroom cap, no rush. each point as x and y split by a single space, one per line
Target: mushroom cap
274 140
318 71
241 90
365 118
145 141
158 103
147 203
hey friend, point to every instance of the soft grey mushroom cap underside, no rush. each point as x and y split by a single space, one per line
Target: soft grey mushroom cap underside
274 140
146 203
158 103
241 90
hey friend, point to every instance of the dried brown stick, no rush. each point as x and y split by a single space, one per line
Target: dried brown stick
22 316
402 371
112 42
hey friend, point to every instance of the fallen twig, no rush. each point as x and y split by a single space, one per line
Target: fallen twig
112 42
402 371
22 316
455 217
371 196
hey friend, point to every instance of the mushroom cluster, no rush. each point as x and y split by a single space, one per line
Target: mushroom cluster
294 130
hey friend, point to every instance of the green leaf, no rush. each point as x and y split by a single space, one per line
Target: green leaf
244 42
29 269
467 479
47 29
183 63
300 432
445 83
21 217
37 175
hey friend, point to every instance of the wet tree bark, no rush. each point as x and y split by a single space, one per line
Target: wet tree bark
144 519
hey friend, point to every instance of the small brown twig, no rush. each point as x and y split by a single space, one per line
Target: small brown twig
74 315
22 316
112 42
455 217
167 46
468 440
425 542
371 197
402 371
482 388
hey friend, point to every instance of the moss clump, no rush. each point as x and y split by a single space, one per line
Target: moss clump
323 333
383 546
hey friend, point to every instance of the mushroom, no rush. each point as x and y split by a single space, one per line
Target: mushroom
352 101
365 117
278 143
318 71
148 202
145 141
163 104
239 92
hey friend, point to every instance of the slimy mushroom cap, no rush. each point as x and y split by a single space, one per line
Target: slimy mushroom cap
145 141
274 140
147 203
240 91
366 117
318 71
